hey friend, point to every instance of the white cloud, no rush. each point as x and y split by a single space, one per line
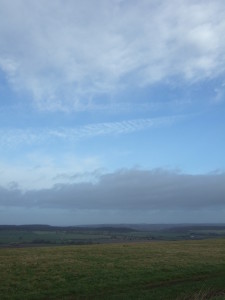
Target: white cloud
219 93
37 170
66 53
14 137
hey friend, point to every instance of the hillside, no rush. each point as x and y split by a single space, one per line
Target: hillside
160 270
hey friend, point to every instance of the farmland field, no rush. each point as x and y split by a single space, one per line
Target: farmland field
36 235
149 270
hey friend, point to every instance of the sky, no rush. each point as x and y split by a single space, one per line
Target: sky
112 111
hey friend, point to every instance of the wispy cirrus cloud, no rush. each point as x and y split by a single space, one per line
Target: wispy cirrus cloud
12 137
64 55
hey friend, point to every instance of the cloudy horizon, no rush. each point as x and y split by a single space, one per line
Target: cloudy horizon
112 111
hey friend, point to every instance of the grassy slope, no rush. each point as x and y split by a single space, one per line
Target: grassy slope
158 270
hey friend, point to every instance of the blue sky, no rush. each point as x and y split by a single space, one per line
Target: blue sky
94 89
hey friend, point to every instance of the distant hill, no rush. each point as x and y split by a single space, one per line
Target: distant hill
117 227
40 227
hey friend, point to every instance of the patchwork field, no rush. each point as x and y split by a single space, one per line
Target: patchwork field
150 270
36 235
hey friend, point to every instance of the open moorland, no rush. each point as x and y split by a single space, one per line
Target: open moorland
191 269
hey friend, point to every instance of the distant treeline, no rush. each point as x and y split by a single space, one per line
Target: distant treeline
117 228
197 227
37 227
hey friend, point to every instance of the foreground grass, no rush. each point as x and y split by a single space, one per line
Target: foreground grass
160 270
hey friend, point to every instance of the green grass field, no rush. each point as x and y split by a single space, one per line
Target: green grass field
154 270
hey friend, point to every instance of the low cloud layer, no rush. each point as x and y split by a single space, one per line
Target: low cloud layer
124 190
